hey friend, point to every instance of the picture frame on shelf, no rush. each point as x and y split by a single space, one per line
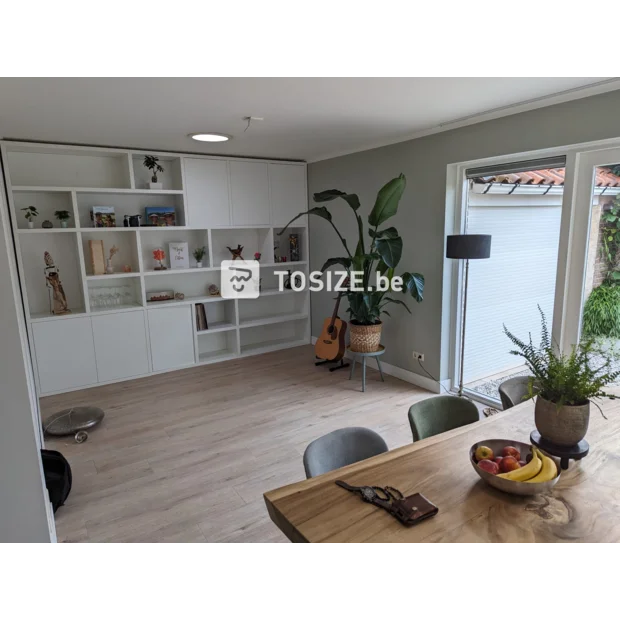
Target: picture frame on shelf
103 217
178 255
160 216
97 257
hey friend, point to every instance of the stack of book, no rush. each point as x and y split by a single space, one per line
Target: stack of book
201 318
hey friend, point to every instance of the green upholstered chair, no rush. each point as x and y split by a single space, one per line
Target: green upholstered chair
432 416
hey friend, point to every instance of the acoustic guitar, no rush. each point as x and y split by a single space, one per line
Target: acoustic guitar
331 345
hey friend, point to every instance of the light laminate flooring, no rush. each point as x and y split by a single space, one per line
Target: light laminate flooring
186 456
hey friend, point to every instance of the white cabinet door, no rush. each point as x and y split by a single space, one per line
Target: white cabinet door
249 183
287 185
172 337
208 200
65 354
120 345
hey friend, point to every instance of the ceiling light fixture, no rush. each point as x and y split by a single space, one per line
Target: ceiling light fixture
209 137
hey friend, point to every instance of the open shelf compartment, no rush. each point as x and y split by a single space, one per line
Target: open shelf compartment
46 203
271 308
170 178
160 238
127 204
114 294
252 239
291 245
194 285
64 252
275 336
219 317
217 346
126 257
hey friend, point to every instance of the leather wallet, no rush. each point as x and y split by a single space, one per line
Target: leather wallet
408 510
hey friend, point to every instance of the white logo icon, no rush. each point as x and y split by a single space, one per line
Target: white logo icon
240 279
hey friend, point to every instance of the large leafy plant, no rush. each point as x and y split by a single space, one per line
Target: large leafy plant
572 379
610 247
380 253
601 313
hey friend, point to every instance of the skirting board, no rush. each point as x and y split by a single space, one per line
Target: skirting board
407 375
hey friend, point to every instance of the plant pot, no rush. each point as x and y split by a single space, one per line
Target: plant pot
364 338
154 185
30 224
565 426
63 224
198 264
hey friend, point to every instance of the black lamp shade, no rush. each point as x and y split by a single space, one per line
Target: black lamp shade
468 246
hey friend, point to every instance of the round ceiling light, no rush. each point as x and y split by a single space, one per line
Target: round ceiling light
209 137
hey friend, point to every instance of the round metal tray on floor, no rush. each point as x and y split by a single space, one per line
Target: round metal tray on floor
71 421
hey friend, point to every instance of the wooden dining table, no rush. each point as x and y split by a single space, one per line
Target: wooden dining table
584 506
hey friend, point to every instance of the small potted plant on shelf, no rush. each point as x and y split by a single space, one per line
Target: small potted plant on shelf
565 384
63 217
30 213
380 257
199 254
152 163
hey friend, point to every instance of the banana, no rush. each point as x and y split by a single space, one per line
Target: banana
548 471
527 471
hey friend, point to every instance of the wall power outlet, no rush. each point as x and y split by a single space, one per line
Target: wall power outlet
418 356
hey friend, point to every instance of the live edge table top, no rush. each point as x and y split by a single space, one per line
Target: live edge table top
584 506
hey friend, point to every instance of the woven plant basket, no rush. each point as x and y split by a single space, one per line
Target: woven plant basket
564 426
364 338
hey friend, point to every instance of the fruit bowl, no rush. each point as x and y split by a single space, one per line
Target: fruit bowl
511 486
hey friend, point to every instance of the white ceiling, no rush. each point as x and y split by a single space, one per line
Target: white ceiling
304 118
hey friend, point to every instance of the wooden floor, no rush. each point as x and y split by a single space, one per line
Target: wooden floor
186 456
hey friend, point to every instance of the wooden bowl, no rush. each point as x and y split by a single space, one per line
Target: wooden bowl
510 486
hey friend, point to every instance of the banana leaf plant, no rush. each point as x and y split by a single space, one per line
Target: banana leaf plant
379 254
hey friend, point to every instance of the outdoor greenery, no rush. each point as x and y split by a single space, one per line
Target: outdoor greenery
152 164
611 240
385 248
572 379
601 313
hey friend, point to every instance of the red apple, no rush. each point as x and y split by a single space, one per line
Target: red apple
482 452
511 451
488 466
498 460
509 463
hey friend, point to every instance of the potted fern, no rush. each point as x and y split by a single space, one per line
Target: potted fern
199 254
152 163
378 255
565 384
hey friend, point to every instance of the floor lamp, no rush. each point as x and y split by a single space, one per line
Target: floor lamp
467 247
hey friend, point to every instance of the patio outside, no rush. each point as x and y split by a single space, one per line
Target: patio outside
602 289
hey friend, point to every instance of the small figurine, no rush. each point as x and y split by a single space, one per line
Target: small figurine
58 299
179 296
236 253
257 256
126 268
214 291
159 256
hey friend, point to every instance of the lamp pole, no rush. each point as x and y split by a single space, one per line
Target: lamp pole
463 324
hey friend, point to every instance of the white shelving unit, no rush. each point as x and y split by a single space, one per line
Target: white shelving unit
218 202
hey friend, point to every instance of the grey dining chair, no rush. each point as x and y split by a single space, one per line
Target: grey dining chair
513 391
340 448
439 414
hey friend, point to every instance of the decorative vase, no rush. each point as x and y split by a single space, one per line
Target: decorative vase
63 224
108 266
154 185
364 338
30 224
565 426
198 264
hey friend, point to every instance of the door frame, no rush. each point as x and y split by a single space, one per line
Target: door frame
572 251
